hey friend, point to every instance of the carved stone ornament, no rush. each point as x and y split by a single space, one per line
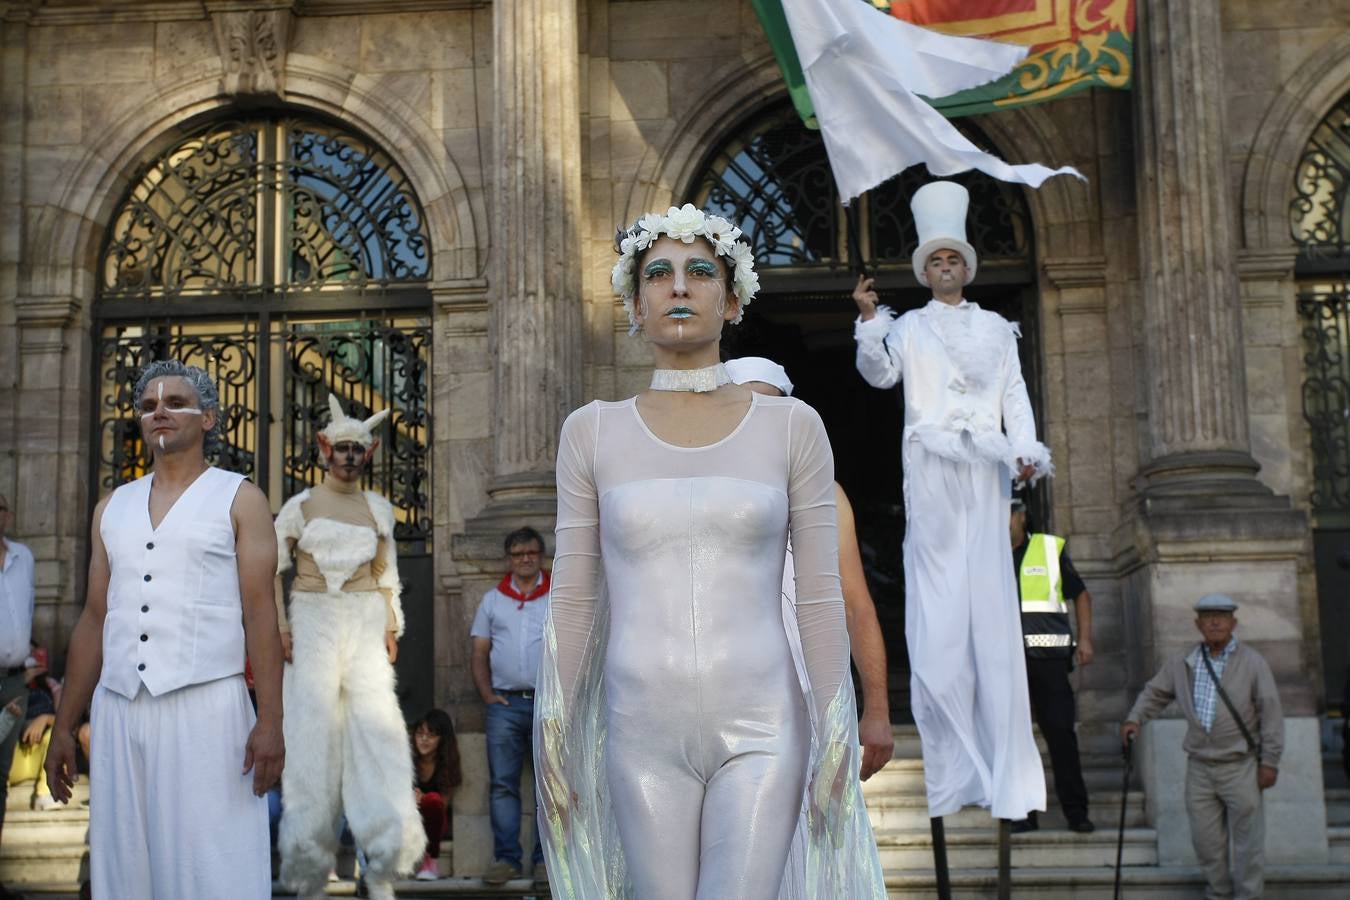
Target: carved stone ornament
252 46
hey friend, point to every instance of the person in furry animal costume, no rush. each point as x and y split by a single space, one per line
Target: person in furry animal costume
969 432
340 643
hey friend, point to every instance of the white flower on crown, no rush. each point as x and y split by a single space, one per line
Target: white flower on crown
685 224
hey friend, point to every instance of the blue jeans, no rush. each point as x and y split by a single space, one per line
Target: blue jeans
510 737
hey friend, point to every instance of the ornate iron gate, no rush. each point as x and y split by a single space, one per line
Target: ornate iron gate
274 377
288 256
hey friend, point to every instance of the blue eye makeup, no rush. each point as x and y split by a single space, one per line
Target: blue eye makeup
658 267
704 268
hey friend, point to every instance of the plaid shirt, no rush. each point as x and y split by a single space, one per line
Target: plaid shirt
1205 695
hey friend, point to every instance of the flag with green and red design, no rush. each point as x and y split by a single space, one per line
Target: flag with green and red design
1071 45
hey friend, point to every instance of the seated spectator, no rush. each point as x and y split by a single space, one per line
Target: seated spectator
31 750
436 775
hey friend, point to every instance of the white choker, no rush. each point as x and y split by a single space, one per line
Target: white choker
709 378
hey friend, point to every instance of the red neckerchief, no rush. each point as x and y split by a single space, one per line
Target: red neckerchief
508 588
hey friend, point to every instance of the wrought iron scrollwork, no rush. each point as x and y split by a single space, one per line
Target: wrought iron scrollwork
369 364
777 186
998 224
1318 213
1324 312
228 356
206 216
353 214
775 182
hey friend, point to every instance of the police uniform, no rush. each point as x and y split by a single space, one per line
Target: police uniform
1046 581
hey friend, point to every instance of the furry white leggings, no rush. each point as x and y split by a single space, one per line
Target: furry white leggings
347 745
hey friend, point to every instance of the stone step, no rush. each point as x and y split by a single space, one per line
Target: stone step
911 811
969 848
1338 806
23 863
456 888
905 776
20 796
1338 844
1138 883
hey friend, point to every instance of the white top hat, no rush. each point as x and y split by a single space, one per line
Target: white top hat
342 427
757 368
939 210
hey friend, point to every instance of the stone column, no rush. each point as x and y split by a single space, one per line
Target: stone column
534 328
1192 332
1201 520
534 324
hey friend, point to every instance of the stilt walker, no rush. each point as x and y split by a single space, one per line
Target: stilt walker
341 641
963 388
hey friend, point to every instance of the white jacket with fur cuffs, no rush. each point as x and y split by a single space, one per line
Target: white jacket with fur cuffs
339 549
965 398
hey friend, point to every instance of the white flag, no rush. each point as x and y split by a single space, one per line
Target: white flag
865 71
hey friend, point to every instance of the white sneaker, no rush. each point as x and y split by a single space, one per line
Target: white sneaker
428 869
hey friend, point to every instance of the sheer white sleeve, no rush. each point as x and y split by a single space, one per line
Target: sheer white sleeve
813 522
1018 420
576 559
879 360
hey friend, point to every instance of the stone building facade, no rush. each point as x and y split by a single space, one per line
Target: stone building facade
1170 299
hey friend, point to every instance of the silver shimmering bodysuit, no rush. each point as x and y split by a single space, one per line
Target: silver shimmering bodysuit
709 734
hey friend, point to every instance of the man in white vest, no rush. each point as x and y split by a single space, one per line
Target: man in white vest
968 433
180 592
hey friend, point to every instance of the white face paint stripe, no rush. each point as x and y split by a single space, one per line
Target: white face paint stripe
190 410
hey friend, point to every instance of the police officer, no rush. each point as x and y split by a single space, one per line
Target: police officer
1045 578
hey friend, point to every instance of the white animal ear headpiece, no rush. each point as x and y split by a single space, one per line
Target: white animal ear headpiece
939 210
342 427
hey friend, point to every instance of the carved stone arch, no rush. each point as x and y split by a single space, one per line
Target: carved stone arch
1268 176
1027 134
64 246
732 92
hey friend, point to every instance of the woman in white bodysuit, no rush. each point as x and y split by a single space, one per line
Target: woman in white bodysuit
675 745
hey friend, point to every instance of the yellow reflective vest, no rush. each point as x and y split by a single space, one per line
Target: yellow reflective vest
1046 631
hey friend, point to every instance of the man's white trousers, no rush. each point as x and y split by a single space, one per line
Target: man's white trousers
171 814
964 632
347 744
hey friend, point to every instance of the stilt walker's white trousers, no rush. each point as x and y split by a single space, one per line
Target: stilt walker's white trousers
171 816
348 744
964 632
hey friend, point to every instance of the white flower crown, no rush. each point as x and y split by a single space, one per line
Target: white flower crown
684 224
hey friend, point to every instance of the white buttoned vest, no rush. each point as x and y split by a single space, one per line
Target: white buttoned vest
174 613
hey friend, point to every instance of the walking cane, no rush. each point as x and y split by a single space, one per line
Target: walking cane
1128 753
944 881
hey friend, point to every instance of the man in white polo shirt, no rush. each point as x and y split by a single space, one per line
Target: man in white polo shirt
16 628
508 634
180 591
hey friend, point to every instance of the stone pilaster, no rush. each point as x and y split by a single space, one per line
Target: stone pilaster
1201 520
1193 329
535 314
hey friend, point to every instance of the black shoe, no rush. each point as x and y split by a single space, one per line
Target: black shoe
1082 826
1022 826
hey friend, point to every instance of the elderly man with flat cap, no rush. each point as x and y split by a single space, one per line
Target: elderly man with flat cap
1233 743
